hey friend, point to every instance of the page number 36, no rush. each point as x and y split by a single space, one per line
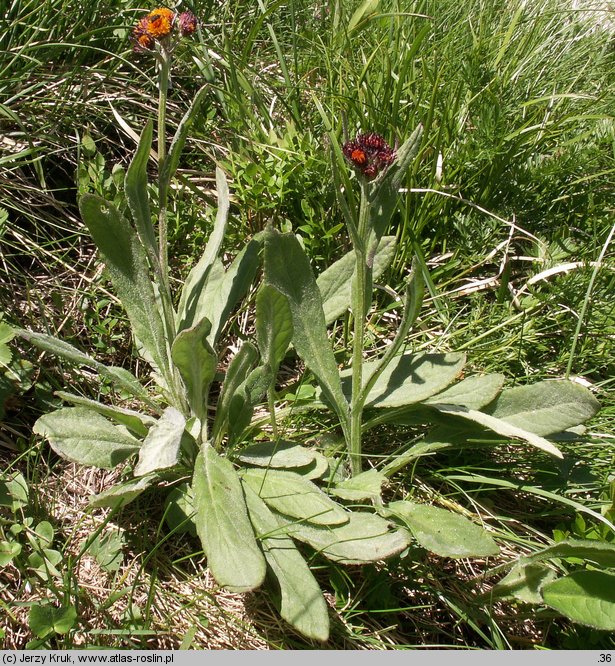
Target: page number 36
604 658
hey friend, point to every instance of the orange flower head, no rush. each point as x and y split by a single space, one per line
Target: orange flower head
160 22
358 156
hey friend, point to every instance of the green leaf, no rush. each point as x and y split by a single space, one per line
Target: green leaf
287 268
85 437
546 407
126 264
6 335
44 532
587 597
245 398
238 370
443 532
300 601
14 492
409 378
365 538
106 548
171 161
366 8
161 447
45 619
187 312
335 282
503 428
274 325
524 582
122 494
366 485
224 288
8 551
196 362
384 191
316 469
179 510
135 421
295 496
223 525
135 186
45 562
119 376
473 392
600 552
278 454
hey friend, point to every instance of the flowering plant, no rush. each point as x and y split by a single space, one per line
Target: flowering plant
250 502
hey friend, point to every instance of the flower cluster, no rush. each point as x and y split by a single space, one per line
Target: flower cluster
369 153
159 24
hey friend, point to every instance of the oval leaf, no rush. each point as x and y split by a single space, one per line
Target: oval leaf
443 532
366 485
300 601
277 454
288 269
295 496
223 526
85 437
160 448
587 597
127 266
473 392
335 282
409 378
365 538
274 325
546 407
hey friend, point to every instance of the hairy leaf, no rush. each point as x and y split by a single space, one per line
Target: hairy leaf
126 264
135 186
122 494
365 538
335 282
472 392
443 532
278 454
409 378
300 600
501 427
85 437
295 496
587 597
161 447
546 407
223 525
274 325
187 312
287 268
196 362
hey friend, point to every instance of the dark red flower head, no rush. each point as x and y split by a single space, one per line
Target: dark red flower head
369 153
187 23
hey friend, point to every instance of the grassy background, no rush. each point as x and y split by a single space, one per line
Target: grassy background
515 177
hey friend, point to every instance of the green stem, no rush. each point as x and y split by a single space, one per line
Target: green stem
163 187
361 287
166 299
271 403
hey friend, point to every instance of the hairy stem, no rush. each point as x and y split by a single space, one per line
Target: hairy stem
361 287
